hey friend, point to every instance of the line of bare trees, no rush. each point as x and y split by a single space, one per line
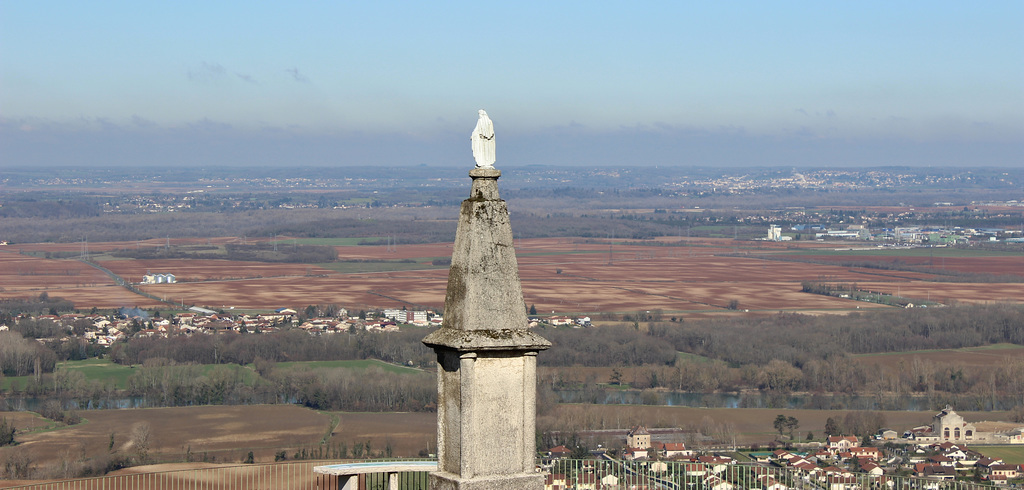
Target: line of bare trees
777 355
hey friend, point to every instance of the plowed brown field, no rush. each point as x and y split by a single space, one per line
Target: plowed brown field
227 433
690 278
221 433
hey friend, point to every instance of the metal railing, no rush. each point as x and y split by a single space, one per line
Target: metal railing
273 476
560 474
608 474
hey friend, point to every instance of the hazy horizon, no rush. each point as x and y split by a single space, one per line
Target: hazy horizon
747 84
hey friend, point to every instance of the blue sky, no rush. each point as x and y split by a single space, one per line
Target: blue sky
566 83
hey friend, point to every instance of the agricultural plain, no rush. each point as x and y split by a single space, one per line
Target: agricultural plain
225 434
684 278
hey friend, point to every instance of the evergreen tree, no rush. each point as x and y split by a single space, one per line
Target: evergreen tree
831 427
6 432
780 423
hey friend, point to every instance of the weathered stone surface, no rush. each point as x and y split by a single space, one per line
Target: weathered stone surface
484 292
486 356
447 481
474 340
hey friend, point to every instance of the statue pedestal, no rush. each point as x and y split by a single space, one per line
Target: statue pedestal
486 356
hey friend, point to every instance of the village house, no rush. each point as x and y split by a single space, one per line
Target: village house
691 470
712 482
986 464
1015 436
934 471
638 437
869 453
671 450
559 452
841 482
842 443
1003 472
555 481
716 464
835 470
767 482
807 468
559 321
942 460
823 455
634 453
871 468
658 467
783 457
412 317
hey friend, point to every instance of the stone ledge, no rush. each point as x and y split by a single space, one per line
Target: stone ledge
476 340
485 173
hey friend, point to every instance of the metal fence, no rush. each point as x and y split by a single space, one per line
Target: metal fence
561 474
276 476
674 475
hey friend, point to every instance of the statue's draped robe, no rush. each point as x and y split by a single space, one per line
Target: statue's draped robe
483 142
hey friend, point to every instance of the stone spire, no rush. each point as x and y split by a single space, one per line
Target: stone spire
486 356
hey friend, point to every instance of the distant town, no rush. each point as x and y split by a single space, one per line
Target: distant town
126 323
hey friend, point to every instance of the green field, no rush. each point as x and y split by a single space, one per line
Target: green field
102 370
105 371
1009 454
355 364
686 356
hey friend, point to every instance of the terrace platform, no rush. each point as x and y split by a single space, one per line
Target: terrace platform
348 473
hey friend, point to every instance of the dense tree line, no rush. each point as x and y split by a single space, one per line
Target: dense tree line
371 390
777 355
261 252
861 424
403 347
798 339
780 353
20 356
44 303
606 346
81 206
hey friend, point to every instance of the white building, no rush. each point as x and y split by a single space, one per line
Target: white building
159 279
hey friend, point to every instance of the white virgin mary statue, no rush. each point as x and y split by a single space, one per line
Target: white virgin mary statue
483 141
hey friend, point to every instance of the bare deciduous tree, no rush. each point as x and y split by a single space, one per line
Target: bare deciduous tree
140 440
